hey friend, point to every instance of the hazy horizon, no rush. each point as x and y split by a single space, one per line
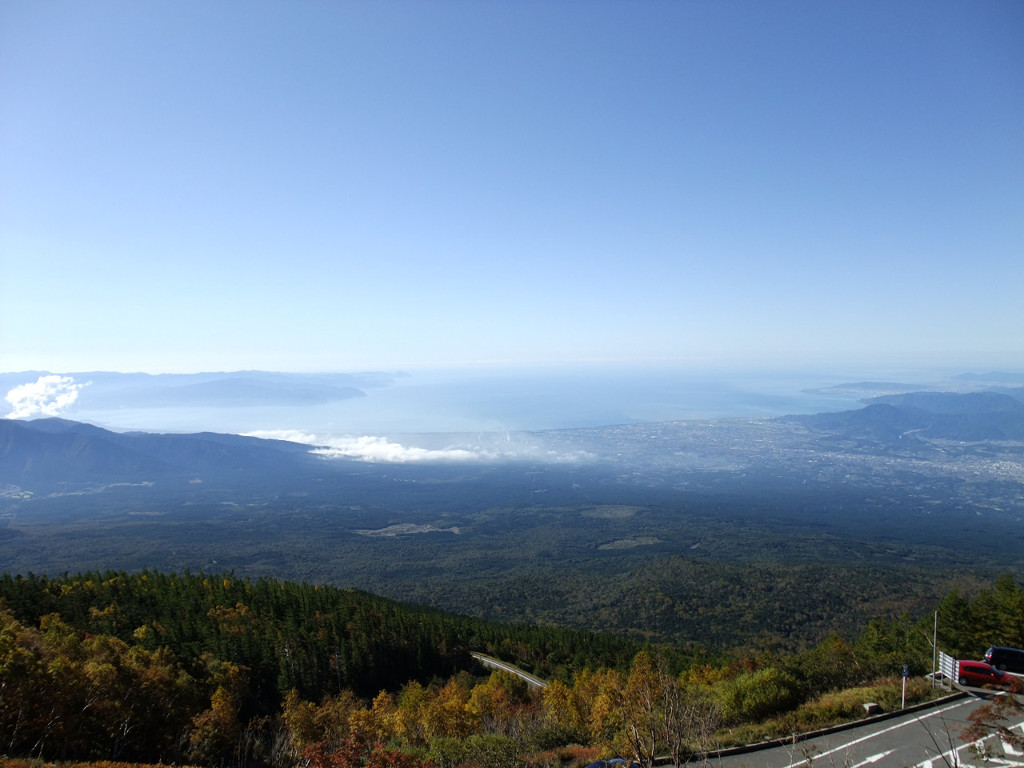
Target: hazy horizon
321 408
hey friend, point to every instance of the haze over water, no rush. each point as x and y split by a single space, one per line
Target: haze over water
493 401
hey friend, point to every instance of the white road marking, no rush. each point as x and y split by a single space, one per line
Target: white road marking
873 758
1009 748
896 727
951 758
950 753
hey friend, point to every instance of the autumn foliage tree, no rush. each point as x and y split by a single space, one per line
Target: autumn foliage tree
220 671
64 695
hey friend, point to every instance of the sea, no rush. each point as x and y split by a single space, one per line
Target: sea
461 401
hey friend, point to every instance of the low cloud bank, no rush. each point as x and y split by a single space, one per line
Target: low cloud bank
369 448
49 395
380 449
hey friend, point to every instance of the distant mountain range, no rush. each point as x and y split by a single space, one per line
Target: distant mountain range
992 377
970 417
994 381
107 390
235 390
43 454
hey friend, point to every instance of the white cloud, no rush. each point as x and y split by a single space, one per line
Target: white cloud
369 448
372 448
46 396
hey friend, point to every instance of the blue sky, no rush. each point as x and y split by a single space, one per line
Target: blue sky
320 185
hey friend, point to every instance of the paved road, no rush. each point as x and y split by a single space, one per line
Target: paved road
925 739
489 661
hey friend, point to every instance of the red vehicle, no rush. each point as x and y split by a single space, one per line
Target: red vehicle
978 674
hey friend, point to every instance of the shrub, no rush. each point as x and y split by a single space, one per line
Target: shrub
553 736
843 706
565 757
759 695
491 750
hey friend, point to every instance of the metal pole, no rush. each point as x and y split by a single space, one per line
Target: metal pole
906 674
935 646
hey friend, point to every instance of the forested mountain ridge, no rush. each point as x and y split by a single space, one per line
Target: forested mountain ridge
116 664
316 639
220 671
970 417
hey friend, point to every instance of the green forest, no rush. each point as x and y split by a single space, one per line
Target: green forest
217 670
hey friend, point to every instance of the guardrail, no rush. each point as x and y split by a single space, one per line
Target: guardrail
948 670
